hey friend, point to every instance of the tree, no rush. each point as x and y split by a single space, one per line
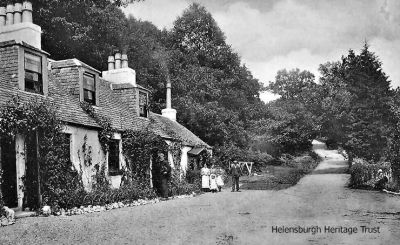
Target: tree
358 94
85 29
292 123
203 67
292 84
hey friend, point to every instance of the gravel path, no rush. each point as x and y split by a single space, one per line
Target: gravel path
319 199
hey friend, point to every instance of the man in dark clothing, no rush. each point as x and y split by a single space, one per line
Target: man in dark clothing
235 172
165 175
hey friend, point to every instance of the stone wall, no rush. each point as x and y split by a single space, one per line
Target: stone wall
9 67
68 78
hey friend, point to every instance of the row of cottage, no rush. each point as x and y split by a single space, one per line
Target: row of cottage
27 72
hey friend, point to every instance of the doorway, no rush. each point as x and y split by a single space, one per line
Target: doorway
8 165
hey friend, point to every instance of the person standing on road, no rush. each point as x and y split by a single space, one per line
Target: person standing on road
220 181
205 178
235 172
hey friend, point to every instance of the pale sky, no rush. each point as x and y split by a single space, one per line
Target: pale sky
270 35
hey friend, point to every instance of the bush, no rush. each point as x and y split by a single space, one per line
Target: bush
363 174
180 186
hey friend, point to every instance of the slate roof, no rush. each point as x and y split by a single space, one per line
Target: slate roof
110 106
67 110
171 129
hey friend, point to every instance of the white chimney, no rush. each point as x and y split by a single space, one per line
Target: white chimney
27 12
111 63
20 29
2 16
17 13
168 112
124 59
120 73
10 14
117 61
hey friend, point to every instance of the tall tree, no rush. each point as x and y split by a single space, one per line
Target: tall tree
85 29
363 112
293 124
204 68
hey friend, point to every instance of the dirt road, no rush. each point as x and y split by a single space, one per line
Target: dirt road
319 200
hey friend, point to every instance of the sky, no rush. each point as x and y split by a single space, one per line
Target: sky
270 35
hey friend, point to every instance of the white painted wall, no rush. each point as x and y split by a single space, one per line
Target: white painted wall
97 155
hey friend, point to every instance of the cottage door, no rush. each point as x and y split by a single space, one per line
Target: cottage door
32 191
8 165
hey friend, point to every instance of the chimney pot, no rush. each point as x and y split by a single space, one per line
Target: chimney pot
117 60
10 14
124 61
3 16
111 63
17 13
168 112
27 11
168 106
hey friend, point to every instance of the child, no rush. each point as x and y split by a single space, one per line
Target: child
213 183
220 181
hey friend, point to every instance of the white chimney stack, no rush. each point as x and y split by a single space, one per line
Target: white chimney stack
119 72
18 27
168 111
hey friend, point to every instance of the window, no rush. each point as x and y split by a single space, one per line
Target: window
66 146
143 104
113 157
33 73
89 88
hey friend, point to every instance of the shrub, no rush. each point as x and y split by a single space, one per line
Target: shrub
363 174
180 186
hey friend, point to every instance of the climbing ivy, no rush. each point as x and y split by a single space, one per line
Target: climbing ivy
106 132
59 180
175 148
138 148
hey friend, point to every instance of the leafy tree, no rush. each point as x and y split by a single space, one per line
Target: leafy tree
208 78
358 94
292 123
292 84
85 29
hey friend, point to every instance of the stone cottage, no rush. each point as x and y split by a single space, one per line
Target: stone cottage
27 71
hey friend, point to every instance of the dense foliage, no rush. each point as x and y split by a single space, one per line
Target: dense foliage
291 123
106 131
37 120
356 105
141 147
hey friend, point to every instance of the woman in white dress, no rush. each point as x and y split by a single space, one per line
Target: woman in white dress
205 178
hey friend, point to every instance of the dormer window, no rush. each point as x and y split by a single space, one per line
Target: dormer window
33 73
89 88
143 107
